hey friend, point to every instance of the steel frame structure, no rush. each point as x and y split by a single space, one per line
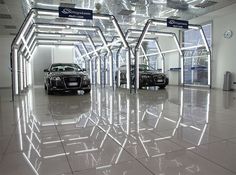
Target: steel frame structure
19 61
164 23
157 33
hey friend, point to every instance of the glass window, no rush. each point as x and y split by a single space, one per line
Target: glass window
196 55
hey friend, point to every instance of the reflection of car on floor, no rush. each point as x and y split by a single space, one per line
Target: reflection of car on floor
68 107
63 77
148 76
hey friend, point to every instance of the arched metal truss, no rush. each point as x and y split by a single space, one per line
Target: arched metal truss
25 42
145 31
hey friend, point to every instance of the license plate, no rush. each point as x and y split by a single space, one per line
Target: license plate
159 81
73 84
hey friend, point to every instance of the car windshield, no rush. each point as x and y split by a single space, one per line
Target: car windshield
143 67
65 68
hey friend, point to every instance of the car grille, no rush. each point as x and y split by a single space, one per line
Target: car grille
158 78
122 76
72 82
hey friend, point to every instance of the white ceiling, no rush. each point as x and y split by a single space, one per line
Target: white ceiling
129 13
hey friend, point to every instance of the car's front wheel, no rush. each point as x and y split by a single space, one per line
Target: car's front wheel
49 92
162 86
87 90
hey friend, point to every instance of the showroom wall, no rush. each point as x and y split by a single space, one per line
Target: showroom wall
172 59
224 50
63 54
44 56
41 60
5 49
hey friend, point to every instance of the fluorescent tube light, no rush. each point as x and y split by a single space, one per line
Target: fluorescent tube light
49 35
47 5
51 26
84 28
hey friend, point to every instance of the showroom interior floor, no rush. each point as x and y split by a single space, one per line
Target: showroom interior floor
177 131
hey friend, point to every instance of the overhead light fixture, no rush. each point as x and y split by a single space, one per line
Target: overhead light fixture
84 28
28 38
51 26
49 35
47 13
46 45
163 23
97 16
139 32
204 40
177 44
25 28
15 72
66 46
47 5
70 42
163 34
47 41
120 33
75 36
194 27
31 42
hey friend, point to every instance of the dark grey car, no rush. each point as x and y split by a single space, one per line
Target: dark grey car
63 77
148 76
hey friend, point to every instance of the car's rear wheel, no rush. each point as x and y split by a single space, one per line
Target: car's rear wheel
49 92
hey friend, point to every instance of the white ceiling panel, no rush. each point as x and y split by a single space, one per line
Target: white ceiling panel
130 13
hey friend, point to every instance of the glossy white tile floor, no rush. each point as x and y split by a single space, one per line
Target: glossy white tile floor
177 131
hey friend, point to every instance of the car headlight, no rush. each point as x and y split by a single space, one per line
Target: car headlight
144 76
85 77
56 78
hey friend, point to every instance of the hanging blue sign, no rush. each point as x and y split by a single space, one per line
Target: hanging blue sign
67 12
177 23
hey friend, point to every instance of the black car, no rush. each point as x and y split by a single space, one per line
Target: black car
148 76
63 77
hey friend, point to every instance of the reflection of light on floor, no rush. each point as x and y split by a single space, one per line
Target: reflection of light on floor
102 113
86 150
50 142
32 145
56 155
19 127
26 158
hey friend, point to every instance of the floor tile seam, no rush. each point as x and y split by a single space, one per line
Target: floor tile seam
212 161
136 159
183 148
220 138
112 164
8 143
67 159
129 154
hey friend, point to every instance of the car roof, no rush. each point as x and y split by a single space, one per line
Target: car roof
62 64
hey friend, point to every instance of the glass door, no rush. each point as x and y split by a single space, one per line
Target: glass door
196 56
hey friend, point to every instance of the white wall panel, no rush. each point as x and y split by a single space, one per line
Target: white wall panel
5 49
41 60
224 52
172 59
63 54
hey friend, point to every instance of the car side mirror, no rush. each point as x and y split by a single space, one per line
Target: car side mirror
46 70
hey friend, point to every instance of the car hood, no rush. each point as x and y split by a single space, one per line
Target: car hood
67 74
151 73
